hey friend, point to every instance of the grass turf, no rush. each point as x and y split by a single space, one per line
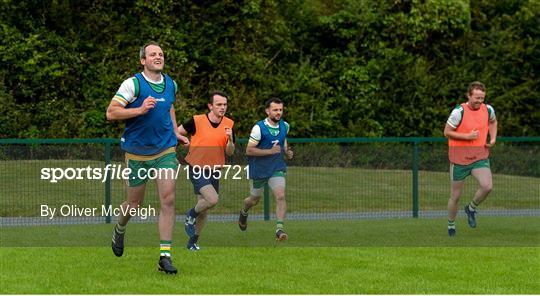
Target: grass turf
268 270
309 189
408 232
390 256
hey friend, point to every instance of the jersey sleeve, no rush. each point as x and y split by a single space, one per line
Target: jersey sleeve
455 117
287 127
127 92
491 113
255 135
189 126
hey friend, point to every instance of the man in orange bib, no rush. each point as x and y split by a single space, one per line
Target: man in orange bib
467 130
211 138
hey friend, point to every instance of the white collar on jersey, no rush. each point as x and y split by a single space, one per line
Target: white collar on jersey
269 124
150 80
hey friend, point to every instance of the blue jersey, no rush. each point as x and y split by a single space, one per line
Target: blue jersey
152 132
261 167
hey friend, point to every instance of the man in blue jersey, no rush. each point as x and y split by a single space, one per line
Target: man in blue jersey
265 149
145 102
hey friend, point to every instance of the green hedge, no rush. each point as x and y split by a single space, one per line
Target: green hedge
345 68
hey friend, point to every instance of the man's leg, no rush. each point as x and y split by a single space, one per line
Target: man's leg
248 203
166 190
455 193
201 222
281 208
135 196
484 178
255 190
458 174
277 184
485 182
207 199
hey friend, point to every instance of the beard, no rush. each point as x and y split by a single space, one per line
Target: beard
275 119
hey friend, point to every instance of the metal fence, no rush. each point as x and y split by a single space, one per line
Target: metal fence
338 178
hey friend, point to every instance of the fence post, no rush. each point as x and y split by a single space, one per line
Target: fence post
415 179
266 202
108 182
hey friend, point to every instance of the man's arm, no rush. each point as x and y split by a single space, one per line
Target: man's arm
254 138
181 138
117 111
229 147
182 130
252 150
492 130
450 132
188 127
183 134
288 150
173 119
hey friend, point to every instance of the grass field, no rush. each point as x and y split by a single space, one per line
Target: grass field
383 256
339 270
309 189
388 256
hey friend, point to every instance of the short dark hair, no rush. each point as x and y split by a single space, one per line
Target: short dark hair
476 85
216 92
142 51
272 100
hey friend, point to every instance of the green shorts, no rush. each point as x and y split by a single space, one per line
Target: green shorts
460 172
142 170
259 183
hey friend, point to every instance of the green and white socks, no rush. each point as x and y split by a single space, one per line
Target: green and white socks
279 225
472 206
244 212
451 224
120 228
165 248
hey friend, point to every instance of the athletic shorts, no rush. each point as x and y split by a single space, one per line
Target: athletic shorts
460 172
256 187
162 166
200 178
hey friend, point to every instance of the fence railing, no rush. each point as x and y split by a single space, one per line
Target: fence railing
329 177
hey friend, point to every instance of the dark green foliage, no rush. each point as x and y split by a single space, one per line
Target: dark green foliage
344 68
